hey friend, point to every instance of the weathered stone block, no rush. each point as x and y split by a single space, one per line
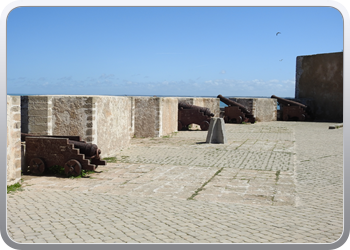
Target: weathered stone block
111 126
88 132
15 100
38 112
38 99
15 109
38 119
38 129
17 125
263 109
146 117
88 111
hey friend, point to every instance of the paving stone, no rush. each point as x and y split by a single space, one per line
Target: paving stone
144 197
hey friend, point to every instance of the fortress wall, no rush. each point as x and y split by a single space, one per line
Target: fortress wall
319 84
263 109
102 120
154 116
13 161
74 115
113 123
211 103
169 114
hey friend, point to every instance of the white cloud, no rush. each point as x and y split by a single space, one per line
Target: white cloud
106 76
292 82
198 84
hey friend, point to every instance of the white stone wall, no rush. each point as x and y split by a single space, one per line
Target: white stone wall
154 116
113 123
169 114
13 163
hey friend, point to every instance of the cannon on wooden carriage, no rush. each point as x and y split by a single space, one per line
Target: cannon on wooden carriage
292 110
70 152
236 112
189 114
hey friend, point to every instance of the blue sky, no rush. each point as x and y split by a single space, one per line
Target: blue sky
196 51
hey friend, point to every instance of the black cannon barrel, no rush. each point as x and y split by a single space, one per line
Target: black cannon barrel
185 105
288 102
233 103
88 149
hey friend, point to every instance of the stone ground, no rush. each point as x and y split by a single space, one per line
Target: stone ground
276 182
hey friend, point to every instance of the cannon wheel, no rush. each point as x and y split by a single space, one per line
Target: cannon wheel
239 119
204 125
72 168
36 166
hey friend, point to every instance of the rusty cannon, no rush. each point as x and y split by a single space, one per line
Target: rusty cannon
189 114
292 110
69 152
236 112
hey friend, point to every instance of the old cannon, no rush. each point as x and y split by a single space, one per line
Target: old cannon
70 152
292 110
189 114
236 112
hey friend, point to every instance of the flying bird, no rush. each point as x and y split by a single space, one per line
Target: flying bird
281 60
278 33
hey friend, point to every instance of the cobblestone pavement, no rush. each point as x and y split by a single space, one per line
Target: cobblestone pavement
277 182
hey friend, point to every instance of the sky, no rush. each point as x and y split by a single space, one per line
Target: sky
165 51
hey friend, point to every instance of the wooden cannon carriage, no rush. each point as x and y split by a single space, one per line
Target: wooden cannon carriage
189 114
236 112
292 110
70 152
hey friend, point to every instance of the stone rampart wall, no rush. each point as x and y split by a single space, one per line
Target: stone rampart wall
263 109
102 120
169 115
211 103
36 114
112 123
13 162
154 116
74 115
